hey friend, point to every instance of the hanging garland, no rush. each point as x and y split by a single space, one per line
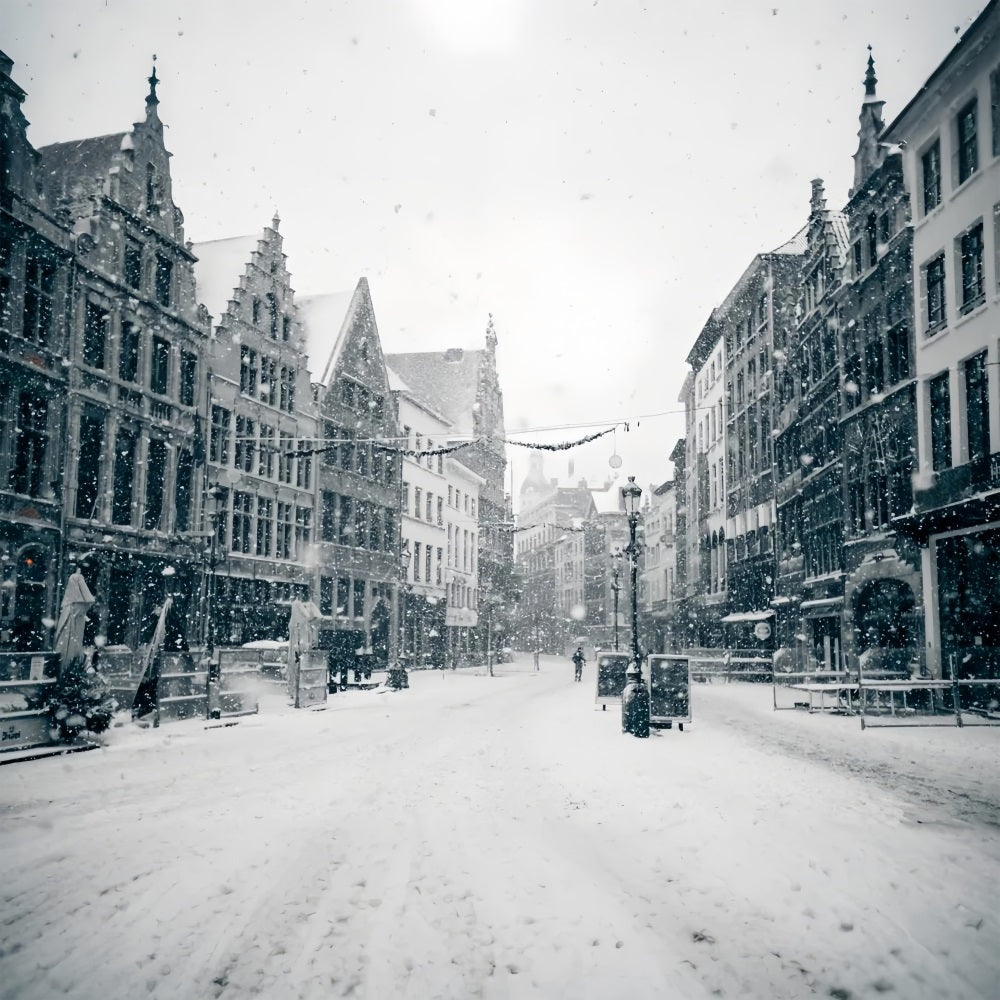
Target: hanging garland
380 445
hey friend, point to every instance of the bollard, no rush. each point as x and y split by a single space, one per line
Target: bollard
635 706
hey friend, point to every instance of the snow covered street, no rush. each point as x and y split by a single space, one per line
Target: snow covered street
500 838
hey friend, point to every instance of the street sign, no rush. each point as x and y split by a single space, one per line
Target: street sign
669 690
611 668
762 630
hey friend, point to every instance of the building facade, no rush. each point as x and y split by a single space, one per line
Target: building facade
882 587
37 272
950 138
358 556
464 386
259 479
135 362
757 319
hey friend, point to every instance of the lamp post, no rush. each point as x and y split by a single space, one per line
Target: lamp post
635 697
616 588
397 672
216 494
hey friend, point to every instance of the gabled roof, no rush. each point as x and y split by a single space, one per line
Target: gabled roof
841 229
325 318
445 380
217 273
83 164
798 244
608 500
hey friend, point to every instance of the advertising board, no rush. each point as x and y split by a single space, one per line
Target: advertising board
611 668
669 690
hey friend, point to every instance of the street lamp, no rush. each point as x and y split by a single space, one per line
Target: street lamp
616 561
635 697
397 672
213 673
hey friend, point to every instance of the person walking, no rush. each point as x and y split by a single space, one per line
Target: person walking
578 662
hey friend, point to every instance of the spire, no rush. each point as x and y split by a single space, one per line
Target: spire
870 78
276 221
870 154
151 99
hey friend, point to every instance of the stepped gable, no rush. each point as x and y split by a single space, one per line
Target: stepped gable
219 268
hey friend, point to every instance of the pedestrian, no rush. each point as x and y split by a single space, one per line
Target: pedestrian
578 662
537 651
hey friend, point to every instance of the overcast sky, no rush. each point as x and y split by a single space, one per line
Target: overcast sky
597 174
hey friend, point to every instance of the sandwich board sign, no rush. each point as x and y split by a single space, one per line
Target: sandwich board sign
669 690
611 668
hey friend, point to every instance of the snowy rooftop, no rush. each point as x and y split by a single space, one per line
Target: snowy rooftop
324 318
447 380
220 266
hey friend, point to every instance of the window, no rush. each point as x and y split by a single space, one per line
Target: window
977 410
133 262
248 370
164 279
418 494
88 471
968 152
121 497
255 311
303 529
95 335
156 467
858 259
283 536
971 254
874 370
360 523
286 328
182 490
416 562
871 239
5 298
930 164
303 468
267 449
359 598
285 458
39 287
345 450
935 300
428 555
375 530
272 312
440 511
343 595
285 393
242 519
430 509
220 516
245 444
159 371
189 378
265 525
328 513
345 527
326 595
128 353
940 397
219 440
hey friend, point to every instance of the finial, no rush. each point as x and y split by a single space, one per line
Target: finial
870 78
152 98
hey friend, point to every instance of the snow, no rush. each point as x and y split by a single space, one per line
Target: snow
499 837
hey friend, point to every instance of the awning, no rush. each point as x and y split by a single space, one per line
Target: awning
746 616
821 607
